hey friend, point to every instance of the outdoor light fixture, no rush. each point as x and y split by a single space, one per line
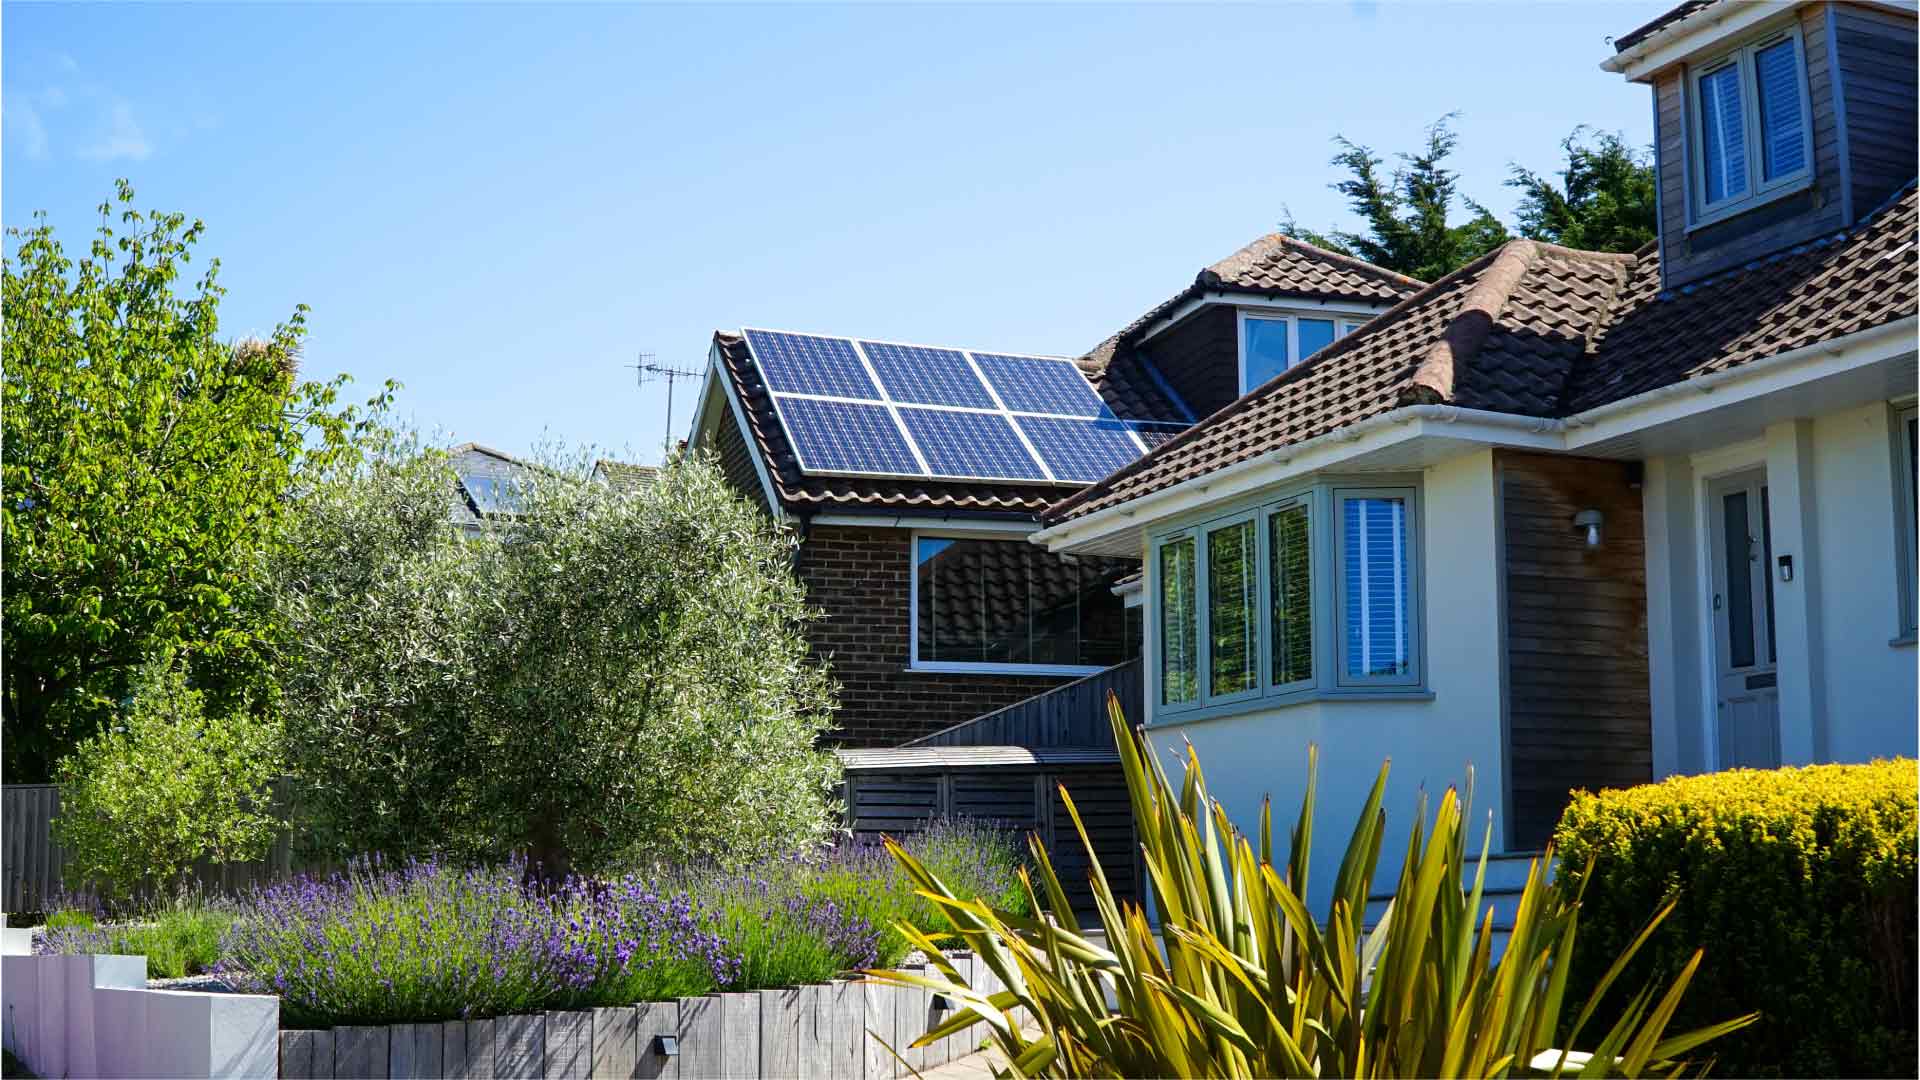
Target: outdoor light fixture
667 1045
1589 522
940 1003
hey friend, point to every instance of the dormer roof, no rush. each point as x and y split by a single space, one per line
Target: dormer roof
1275 266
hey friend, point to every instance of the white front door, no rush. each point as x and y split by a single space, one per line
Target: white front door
1747 711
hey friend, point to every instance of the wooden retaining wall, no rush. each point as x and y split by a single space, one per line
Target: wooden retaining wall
833 1031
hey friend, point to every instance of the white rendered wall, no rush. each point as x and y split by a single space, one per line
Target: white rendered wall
1870 682
1251 755
1848 688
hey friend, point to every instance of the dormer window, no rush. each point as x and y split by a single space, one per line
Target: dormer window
1750 126
1272 343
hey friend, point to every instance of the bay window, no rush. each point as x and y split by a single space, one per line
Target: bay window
1007 605
1749 125
1246 605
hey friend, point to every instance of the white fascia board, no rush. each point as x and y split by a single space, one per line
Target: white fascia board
1276 303
1770 375
1707 28
930 524
1676 401
716 373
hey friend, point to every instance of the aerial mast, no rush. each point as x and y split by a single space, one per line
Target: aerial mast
647 369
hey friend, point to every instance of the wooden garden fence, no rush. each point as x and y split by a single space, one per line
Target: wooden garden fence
31 863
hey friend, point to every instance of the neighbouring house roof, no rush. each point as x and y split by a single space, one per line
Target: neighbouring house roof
472 460
1275 265
624 475
1131 390
1534 329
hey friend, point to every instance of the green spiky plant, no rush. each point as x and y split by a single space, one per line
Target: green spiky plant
1244 981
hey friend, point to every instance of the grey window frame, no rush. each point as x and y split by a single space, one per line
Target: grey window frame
1759 190
1321 497
1414 675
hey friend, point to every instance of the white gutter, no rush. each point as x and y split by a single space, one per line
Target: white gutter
1330 449
1900 332
1676 40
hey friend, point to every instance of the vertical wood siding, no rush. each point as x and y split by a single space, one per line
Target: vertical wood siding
1579 710
1876 65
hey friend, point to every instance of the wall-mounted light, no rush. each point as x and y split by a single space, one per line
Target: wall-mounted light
1589 522
941 1003
666 1045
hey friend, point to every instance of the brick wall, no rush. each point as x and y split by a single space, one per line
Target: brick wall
861 578
736 461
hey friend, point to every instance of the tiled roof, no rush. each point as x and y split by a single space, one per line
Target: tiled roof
1641 33
624 475
1276 265
1540 330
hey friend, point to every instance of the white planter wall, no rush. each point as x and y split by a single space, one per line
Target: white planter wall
94 1016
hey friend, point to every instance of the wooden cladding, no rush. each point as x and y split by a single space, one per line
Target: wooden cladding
1579 714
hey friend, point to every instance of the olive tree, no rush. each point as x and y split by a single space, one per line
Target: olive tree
600 677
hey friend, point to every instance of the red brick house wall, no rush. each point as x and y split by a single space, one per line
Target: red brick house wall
862 578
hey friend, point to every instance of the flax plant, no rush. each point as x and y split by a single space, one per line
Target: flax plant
1242 981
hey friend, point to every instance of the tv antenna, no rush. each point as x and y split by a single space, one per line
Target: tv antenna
647 369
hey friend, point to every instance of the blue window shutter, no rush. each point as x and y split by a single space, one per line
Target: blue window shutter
1723 134
1783 141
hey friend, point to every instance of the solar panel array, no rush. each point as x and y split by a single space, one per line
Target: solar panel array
874 408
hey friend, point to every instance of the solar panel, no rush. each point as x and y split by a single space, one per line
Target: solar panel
847 437
1036 385
807 364
1080 450
927 376
978 445
1155 432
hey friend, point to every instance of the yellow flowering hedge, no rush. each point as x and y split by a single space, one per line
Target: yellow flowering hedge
1800 885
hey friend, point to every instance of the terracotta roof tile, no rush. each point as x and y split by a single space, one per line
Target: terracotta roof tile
1540 330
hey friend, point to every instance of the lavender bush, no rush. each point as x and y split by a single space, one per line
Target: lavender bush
428 942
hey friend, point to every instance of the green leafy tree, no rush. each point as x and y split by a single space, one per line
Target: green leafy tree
164 785
145 461
1408 212
604 678
1602 200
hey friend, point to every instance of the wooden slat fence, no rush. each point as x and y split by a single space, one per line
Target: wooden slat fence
1021 799
31 863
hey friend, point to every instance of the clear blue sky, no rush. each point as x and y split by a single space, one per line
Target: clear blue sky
501 206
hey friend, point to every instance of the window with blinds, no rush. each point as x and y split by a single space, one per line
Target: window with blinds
1376 584
1290 572
1233 568
1751 135
1179 637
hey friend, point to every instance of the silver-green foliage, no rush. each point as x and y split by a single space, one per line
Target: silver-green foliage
602 678
165 784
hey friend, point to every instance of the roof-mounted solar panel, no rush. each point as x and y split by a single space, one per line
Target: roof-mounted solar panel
807 364
846 437
1080 450
1032 384
874 408
970 445
927 376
